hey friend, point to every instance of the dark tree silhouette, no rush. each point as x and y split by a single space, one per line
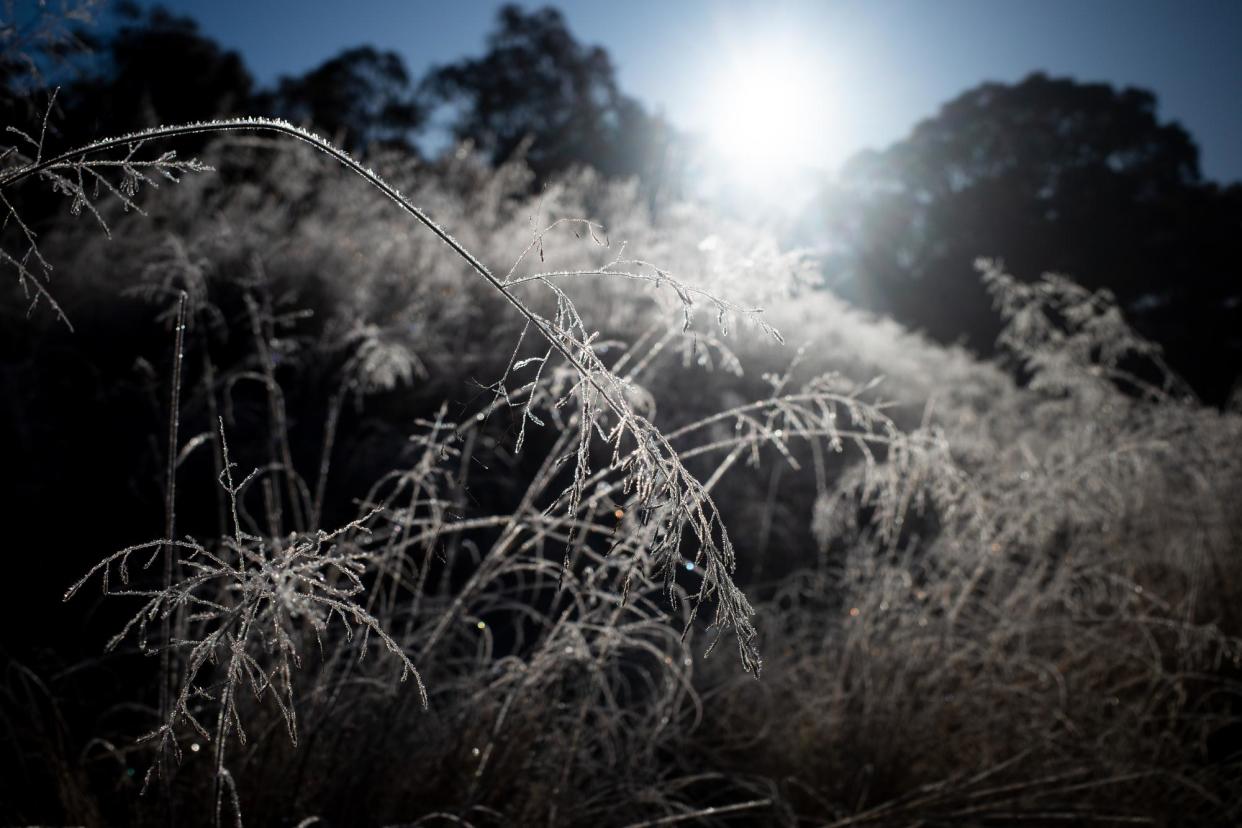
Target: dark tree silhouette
537 81
363 96
1050 175
158 69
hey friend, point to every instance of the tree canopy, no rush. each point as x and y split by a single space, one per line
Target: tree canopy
537 82
1051 175
536 87
362 96
157 68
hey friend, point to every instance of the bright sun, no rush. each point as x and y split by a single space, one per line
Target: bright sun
767 111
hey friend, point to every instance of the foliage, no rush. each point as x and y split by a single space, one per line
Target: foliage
361 96
1054 636
966 635
157 67
534 471
1056 176
536 83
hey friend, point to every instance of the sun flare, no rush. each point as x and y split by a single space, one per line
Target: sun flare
767 110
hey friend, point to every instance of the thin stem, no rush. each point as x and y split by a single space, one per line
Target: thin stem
170 512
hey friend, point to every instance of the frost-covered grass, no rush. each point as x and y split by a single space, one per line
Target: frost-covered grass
542 466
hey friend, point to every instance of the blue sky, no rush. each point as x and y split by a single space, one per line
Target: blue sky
879 66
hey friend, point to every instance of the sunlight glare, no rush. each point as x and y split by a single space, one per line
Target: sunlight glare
767 110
